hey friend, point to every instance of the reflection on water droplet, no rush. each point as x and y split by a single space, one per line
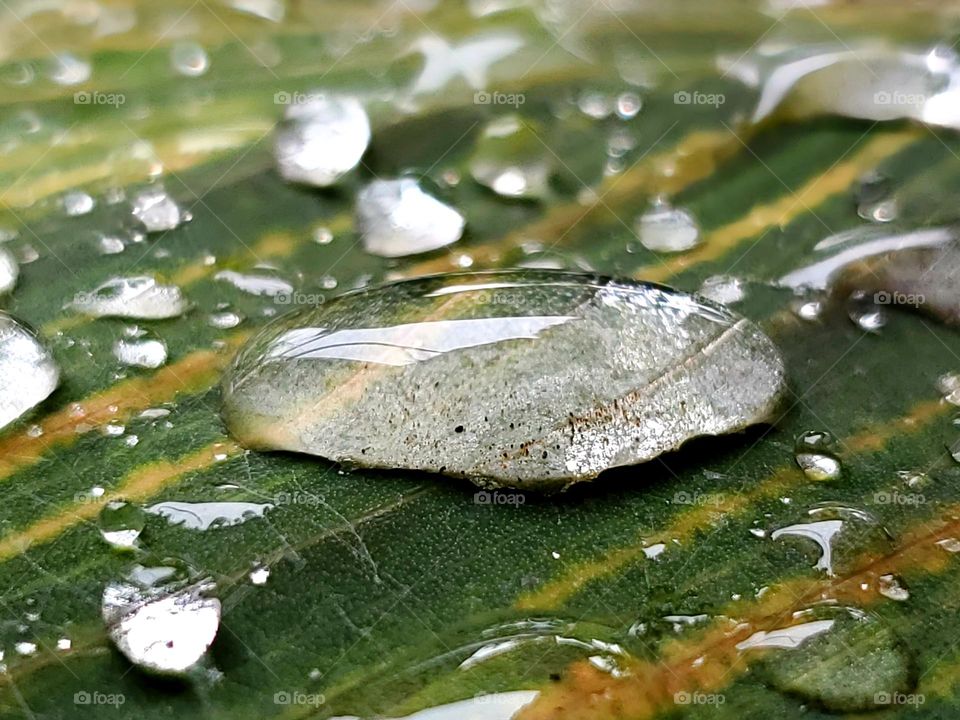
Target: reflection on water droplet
9 271
28 372
206 515
160 621
121 524
140 297
836 657
189 58
77 202
628 105
321 139
664 228
397 218
225 320
145 353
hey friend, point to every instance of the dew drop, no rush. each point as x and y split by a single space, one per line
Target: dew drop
121 524
110 245
9 271
628 105
322 139
144 353
814 456
511 160
67 69
77 202
889 586
323 235
259 575
224 320
207 515
397 218
156 210
139 297
664 228
255 284
28 372
189 58
723 289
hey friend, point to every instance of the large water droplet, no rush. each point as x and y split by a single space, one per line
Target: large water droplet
511 160
28 372
321 138
559 376
161 622
397 218
664 228
139 297
838 658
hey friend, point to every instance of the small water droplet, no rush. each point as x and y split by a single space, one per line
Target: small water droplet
224 320
121 524
595 104
664 228
25 648
188 58
157 211
511 160
259 575
9 271
949 386
140 297
889 586
28 372
873 198
951 545
397 218
67 69
110 245
323 235
64 644
628 105
144 353
723 289
866 315
255 284
322 139
813 455
77 202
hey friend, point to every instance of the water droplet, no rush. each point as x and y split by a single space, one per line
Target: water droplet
28 372
628 105
889 586
64 644
147 353
595 104
259 575
841 534
121 524
160 621
511 160
809 310
322 139
397 218
951 545
865 314
189 58
67 69
664 228
9 271
949 386
323 235
77 202
723 289
110 245
513 329
255 284
139 297
156 210
206 515
225 320
25 648
814 455
838 658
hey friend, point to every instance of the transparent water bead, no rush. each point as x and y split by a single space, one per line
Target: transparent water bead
188 58
664 228
206 515
159 620
511 160
397 218
259 284
143 352
77 202
814 454
559 376
321 139
140 297
9 271
156 210
28 372
121 524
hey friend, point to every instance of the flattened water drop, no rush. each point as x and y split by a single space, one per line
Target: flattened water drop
397 218
322 139
206 515
563 376
143 352
160 622
140 297
664 228
28 372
